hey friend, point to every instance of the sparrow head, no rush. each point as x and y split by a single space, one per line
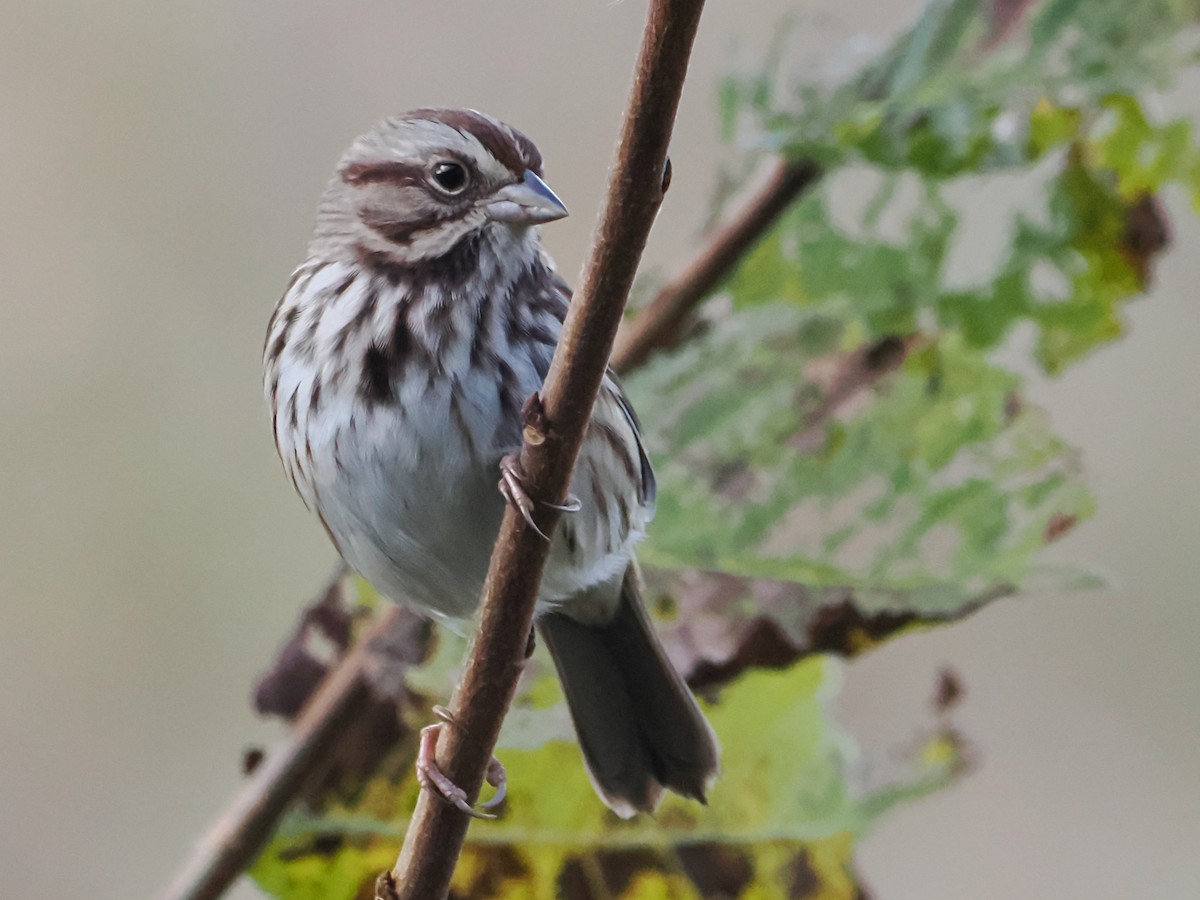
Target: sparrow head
417 186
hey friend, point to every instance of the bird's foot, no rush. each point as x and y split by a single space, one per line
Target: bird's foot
513 488
432 779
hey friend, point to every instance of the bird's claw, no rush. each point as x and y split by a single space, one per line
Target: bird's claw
432 779
514 492
571 504
497 778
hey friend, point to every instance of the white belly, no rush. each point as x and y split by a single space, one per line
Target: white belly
410 504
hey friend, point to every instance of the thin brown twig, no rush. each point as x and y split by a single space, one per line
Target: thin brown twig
237 837
851 372
554 430
659 323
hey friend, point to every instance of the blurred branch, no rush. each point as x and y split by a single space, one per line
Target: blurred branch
246 826
554 431
658 324
850 373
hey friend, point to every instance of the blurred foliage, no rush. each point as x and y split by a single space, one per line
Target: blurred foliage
933 475
979 90
782 818
842 455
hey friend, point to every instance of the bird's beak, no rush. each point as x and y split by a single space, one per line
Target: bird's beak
528 202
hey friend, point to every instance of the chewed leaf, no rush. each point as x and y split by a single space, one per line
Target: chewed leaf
719 625
783 815
908 465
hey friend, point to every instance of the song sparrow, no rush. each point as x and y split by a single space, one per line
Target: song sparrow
396 365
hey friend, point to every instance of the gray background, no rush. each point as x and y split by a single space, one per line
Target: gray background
161 163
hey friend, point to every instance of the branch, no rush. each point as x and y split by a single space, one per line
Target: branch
554 430
236 839
844 376
658 325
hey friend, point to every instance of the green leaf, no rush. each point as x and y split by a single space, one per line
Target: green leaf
950 95
1051 127
925 482
784 805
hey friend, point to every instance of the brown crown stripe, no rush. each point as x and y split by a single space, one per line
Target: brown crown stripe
509 146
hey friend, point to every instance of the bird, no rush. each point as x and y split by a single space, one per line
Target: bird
396 364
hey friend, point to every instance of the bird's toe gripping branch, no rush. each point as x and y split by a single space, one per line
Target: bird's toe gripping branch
512 478
433 779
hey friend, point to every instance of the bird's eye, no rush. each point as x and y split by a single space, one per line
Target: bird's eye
451 177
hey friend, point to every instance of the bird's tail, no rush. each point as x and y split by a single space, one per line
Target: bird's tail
638 725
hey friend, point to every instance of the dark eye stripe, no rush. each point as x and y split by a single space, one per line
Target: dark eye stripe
394 172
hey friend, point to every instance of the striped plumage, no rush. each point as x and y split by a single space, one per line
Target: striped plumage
396 364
